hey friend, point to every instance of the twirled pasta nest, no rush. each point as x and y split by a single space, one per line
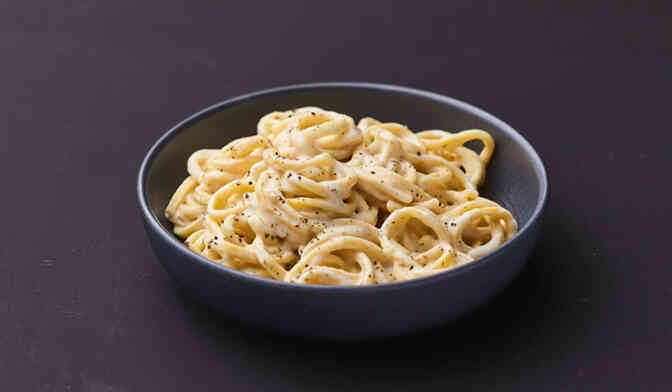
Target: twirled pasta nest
314 198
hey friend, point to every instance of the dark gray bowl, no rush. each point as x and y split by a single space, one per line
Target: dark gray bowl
516 178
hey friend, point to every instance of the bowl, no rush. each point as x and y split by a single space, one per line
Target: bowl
516 178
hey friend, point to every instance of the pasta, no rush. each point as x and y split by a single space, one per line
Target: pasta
314 198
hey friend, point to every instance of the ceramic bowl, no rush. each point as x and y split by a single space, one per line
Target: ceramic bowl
515 178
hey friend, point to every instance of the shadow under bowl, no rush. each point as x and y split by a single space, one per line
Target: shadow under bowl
515 178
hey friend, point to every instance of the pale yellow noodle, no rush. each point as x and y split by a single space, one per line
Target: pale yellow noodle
314 198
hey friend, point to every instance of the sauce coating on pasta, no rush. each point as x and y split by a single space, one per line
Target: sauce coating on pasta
315 198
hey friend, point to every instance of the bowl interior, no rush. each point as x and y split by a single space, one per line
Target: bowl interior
514 177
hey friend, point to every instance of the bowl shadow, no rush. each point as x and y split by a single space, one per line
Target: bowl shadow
538 310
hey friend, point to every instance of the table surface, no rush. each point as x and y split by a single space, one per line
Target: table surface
88 86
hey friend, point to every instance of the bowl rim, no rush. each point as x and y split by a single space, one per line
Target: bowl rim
170 239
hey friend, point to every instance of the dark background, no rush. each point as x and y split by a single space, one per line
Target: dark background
87 86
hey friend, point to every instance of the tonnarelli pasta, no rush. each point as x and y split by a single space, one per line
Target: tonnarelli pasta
314 198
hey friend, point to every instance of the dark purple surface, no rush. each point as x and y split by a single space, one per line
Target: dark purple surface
86 87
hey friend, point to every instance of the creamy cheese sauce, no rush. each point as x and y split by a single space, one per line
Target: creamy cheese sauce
315 198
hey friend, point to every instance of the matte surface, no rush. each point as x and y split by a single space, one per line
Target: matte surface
86 87
517 179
